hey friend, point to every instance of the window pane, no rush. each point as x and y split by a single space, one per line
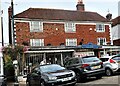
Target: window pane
36 26
71 42
70 27
100 28
101 41
37 42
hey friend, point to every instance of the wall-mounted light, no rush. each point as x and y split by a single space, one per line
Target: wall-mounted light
90 29
56 28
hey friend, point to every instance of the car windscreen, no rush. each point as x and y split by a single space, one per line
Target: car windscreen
90 59
51 68
116 58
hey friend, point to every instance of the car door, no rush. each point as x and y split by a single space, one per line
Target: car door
72 63
35 77
117 59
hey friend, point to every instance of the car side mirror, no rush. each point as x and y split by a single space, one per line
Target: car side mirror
38 73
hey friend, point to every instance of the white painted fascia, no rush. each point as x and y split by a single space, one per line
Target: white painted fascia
111 47
61 21
110 31
49 51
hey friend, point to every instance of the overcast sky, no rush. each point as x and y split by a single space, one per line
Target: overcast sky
99 6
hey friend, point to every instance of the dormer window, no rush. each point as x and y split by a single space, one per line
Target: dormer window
70 27
100 28
36 26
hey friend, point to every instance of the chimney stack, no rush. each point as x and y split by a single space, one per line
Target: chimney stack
109 16
80 6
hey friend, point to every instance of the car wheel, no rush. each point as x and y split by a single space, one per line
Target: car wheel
43 83
108 72
4 84
78 77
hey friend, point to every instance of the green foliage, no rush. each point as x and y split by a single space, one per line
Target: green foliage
7 58
12 51
9 65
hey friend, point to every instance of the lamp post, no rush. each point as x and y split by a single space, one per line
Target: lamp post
15 62
12 17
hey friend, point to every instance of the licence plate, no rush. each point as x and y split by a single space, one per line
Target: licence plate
96 67
65 79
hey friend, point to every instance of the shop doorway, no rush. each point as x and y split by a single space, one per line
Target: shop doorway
54 58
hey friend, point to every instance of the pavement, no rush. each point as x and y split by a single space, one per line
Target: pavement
16 84
21 82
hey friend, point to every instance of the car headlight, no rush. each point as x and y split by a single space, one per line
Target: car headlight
52 78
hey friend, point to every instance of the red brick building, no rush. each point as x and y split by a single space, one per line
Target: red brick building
55 27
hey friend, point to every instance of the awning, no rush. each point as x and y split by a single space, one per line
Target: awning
90 45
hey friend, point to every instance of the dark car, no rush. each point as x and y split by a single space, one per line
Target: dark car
51 75
84 67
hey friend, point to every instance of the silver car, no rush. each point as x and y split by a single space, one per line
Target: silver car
111 64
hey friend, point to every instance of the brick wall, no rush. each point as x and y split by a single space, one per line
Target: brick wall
54 33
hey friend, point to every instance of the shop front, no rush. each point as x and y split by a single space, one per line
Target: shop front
33 58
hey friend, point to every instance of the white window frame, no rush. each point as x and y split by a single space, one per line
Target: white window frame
70 27
38 27
37 42
100 27
71 42
1 64
101 39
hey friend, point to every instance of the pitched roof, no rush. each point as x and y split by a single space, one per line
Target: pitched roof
116 21
57 14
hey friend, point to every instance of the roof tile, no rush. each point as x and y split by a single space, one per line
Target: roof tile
57 14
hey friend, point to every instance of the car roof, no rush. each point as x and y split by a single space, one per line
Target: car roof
45 65
88 56
81 57
48 64
107 56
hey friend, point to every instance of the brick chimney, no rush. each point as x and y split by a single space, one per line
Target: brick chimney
80 6
109 16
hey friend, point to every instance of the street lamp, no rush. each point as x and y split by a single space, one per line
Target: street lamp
13 39
15 63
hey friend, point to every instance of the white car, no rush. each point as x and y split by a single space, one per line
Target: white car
111 64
